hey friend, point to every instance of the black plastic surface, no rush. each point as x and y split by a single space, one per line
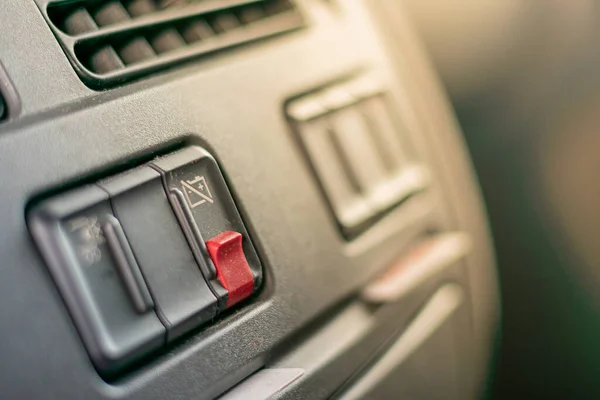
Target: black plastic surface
338 352
432 372
69 231
183 299
425 367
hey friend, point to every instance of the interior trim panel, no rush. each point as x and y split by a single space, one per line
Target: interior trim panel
280 179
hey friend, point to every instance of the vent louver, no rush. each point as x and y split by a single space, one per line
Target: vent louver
357 147
113 41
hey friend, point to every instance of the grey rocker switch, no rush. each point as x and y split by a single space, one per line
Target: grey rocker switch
93 265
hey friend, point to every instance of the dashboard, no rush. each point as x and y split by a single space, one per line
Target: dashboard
235 199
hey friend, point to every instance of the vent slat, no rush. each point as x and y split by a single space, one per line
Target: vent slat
112 41
111 13
167 40
106 60
196 31
224 22
135 51
209 46
137 8
251 14
164 17
80 21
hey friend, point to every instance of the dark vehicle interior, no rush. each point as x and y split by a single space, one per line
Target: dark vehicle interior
298 199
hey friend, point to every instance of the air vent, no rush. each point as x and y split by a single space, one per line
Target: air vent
358 150
113 41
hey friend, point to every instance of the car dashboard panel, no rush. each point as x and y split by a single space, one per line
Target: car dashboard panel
236 200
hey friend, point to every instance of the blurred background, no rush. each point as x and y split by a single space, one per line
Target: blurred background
524 78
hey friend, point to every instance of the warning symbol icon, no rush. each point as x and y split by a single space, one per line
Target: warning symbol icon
196 191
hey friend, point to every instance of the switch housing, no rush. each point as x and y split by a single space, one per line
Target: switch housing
129 255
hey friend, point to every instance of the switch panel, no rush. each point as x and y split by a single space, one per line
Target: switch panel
92 264
146 256
183 299
357 151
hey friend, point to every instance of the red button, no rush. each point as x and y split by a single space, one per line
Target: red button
232 267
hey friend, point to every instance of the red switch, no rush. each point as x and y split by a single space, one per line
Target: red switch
232 267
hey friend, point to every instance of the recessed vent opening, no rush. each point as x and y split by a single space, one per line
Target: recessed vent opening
3 109
114 41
